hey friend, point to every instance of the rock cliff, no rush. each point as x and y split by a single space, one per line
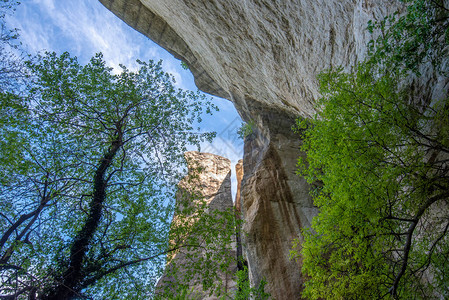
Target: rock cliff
256 51
264 56
206 187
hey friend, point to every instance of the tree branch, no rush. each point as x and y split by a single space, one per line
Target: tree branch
408 244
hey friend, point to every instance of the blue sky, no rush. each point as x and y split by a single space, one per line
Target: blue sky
85 27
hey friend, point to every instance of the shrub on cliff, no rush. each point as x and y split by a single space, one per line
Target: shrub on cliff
378 158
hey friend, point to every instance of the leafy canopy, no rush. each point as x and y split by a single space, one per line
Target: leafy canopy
88 173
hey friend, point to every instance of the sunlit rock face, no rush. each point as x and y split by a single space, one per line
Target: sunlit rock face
264 56
239 175
211 175
209 179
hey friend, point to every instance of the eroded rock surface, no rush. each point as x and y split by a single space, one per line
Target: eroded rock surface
276 205
208 183
239 175
264 56
268 51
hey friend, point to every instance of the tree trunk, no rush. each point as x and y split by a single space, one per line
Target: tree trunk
68 286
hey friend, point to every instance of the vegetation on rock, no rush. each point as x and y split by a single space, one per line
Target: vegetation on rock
245 291
246 129
377 157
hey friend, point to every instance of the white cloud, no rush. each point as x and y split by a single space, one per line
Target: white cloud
48 4
169 67
35 41
98 31
85 27
81 27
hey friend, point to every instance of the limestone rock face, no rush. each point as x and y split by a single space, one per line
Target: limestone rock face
264 56
239 175
210 174
209 177
268 51
276 205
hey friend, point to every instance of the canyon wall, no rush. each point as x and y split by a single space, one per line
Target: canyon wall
264 56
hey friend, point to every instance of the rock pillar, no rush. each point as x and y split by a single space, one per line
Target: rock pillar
202 193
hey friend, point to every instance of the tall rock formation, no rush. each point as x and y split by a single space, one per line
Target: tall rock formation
264 56
238 215
239 175
206 187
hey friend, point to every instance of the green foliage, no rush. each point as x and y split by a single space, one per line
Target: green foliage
206 253
245 291
377 161
409 39
381 165
88 170
246 129
184 65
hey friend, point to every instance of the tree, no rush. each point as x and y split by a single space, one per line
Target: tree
408 40
377 158
87 179
12 70
11 67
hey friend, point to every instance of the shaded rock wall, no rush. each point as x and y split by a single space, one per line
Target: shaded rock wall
241 260
276 204
264 56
